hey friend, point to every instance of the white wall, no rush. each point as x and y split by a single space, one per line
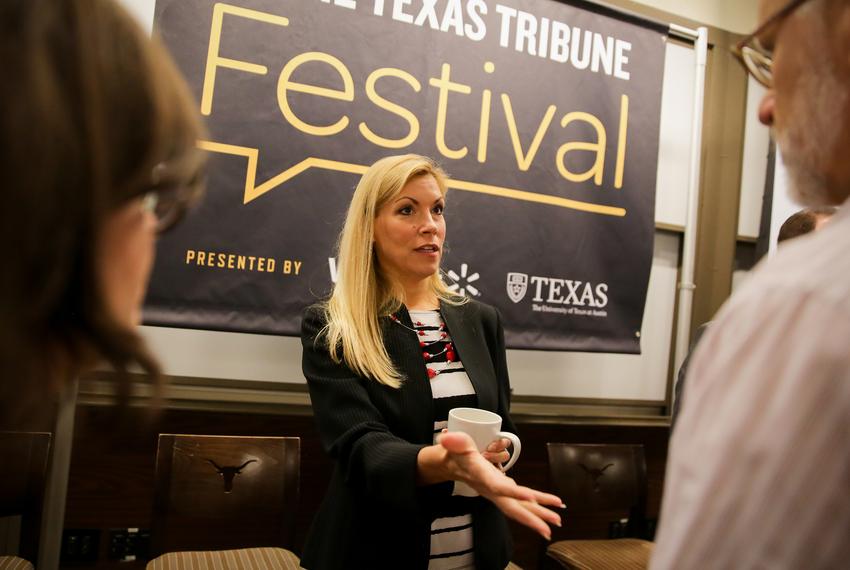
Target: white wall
737 16
782 205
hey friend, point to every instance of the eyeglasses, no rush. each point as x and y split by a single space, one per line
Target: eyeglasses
757 60
167 205
169 200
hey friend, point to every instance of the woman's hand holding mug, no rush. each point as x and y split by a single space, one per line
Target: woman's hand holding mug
525 505
474 444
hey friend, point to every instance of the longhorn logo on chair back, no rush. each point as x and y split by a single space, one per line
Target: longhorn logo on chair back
595 474
228 473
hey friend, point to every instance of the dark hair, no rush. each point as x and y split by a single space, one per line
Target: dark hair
803 222
90 105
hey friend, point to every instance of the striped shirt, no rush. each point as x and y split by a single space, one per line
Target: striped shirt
451 528
759 468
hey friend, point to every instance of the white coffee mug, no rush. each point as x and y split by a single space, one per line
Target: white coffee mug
484 428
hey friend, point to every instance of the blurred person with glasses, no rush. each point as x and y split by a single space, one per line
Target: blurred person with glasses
758 474
99 154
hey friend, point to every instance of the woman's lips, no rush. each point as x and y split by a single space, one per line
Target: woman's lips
429 249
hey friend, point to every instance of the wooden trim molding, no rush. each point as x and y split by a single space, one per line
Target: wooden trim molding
279 398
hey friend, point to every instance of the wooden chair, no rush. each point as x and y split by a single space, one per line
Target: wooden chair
225 493
604 488
23 476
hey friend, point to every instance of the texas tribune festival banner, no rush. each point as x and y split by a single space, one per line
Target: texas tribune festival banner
545 114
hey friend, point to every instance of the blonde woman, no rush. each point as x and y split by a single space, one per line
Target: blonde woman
385 358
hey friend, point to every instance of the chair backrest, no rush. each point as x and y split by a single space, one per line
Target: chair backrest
224 492
601 484
23 476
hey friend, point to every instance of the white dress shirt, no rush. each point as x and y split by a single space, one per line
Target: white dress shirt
758 474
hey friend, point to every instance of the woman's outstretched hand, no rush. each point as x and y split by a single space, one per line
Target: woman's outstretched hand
527 506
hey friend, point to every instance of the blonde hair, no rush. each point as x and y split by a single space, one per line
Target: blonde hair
362 293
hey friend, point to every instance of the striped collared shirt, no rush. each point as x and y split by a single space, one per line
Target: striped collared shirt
759 468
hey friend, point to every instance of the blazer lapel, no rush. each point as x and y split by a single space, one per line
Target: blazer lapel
464 326
417 399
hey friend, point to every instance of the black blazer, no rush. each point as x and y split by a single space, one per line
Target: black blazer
374 515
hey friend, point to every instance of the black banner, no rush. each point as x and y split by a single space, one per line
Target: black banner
546 115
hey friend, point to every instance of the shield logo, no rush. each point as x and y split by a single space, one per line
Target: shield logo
517 285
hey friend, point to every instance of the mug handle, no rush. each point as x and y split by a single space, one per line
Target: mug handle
517 447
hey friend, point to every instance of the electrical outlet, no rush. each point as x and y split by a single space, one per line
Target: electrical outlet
618 529
128 544
79 545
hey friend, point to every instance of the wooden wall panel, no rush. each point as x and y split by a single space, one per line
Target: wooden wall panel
112 469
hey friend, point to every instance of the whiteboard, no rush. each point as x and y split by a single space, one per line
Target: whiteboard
251 357
674 149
